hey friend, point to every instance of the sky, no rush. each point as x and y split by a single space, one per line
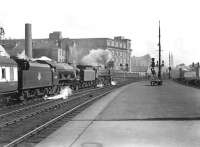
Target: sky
134 19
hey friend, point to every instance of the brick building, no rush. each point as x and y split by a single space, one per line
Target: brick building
119 47
53 47
73 50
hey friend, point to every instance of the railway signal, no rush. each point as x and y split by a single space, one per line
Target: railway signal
152 62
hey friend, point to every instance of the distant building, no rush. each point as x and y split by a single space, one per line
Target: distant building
119 47
141 61
141 70
73 50
53 48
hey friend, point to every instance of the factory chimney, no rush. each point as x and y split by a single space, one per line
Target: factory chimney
28 40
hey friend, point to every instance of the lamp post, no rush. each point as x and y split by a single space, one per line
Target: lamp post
159 59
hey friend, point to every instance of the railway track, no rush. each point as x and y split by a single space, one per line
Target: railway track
18 127
29 111
35 103
16 106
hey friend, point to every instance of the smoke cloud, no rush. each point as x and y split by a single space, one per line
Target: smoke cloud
97 57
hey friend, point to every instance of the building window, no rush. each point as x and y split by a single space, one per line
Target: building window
124 45
112 43
108 43
120 45
3 73
12 74
116 44
128 45
116 53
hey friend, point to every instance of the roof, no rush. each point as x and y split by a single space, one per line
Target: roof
14 47
6 61
3 52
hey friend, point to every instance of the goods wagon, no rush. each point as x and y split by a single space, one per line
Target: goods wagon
190 74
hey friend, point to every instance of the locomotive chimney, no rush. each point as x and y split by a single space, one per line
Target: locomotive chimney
28 40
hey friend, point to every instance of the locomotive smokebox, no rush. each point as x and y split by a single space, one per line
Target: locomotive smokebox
28 40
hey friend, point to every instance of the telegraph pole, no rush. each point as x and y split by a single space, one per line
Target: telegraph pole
169 65
159 60
2 33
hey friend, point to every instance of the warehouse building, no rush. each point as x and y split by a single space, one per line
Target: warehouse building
119 47
52 47
73 50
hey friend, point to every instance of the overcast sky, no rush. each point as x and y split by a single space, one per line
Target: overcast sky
133 19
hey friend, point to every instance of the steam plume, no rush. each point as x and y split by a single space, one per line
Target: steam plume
43 58
97 57
113 83
22 55
64 93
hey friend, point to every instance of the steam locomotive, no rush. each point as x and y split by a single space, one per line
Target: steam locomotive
23 79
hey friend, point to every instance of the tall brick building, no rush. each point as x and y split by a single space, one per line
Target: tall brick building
73 50
119 47
53 47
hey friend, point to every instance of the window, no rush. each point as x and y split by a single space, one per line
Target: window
108 43
116 44
3 73
12 74
124 45
112 43
120 44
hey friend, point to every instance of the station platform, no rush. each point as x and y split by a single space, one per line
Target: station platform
136 115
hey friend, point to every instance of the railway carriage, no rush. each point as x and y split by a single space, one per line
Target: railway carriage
8 77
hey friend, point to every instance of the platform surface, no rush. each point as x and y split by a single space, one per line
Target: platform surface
135 115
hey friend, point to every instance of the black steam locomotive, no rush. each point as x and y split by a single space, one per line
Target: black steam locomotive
25 79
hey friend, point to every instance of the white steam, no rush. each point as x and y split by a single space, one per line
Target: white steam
97 57
113 83
44 58
99 85
64 93
22 55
